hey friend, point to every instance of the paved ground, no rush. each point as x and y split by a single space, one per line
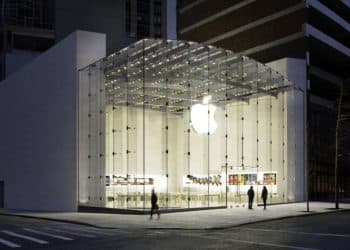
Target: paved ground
320 231
203 219
28 233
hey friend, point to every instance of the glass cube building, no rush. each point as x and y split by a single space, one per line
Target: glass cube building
196 123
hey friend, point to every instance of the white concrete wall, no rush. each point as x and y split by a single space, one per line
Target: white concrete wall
295 70
15 59
38 129
292 68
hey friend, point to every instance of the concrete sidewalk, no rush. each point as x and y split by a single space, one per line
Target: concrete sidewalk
203 219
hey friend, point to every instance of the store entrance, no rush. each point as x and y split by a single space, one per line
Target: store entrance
2 194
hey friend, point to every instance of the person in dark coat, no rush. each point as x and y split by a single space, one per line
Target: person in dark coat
250 197
155 207
264 196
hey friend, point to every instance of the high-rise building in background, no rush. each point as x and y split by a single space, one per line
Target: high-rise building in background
123 22
317 33
29 27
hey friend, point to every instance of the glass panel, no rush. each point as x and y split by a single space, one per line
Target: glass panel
96 136
101 133
134 127
178 96
198 139
93 138
116 132
198 124
264 148
277 188
154 124
84 100
234 129
217 127
249 128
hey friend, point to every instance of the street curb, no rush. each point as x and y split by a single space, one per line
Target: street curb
310 213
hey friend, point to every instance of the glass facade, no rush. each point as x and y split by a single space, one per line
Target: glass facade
197 123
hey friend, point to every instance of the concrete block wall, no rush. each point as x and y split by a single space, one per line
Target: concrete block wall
38 128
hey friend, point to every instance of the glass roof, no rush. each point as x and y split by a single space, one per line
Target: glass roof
175 74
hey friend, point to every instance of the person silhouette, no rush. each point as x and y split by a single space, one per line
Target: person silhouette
250 194
154 205
264 196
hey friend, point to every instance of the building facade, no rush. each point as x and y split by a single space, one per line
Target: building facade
27 29
38 129
124 22
316 33
197 123
30 27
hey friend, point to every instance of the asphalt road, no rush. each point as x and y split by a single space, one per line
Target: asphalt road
327 231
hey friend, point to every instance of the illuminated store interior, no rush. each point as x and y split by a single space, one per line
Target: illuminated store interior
196 123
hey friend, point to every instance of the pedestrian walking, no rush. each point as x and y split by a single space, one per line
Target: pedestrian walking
250 194
264 196
154 205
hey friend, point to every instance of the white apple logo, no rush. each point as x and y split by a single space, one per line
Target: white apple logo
202 117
